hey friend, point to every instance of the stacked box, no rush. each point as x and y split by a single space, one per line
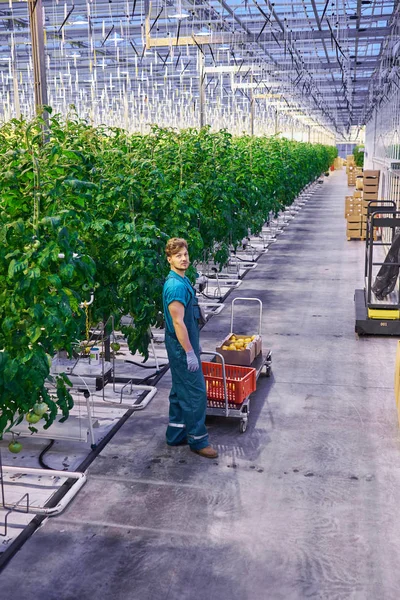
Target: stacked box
353 206
359 182
356 210
338 163
371 184
354 217
351 175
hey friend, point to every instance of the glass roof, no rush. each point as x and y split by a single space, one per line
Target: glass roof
330 61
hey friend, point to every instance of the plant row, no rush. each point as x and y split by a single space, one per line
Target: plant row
87 208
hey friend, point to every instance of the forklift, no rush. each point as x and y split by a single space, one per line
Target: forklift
378 316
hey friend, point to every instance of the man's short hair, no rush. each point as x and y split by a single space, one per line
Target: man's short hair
174 245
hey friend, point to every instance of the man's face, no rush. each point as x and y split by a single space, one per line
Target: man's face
180 260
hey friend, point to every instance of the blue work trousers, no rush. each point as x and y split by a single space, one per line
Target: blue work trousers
187 399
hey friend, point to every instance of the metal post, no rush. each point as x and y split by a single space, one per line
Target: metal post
276 121
15 78
16 92
147 11
202 89
252 107
38 55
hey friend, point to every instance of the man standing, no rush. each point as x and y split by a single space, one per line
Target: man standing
188 400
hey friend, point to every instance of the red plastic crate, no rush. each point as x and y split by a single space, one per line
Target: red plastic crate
240 382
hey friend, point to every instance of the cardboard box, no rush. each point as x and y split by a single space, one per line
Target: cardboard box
371 174
353 219
357 194
337 163
244 357
355 230
352 209
371 189
370 195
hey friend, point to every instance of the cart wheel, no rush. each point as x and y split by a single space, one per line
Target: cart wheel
243 425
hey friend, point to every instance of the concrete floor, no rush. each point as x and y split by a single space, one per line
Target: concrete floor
303 505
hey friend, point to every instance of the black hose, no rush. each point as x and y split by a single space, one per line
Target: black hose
37 521
143 366
242 259
43 452
211 297
51 443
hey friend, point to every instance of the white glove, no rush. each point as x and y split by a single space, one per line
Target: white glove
192 362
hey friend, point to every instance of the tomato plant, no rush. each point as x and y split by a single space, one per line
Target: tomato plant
15 447
92 208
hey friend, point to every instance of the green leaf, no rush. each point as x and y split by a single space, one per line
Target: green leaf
11 268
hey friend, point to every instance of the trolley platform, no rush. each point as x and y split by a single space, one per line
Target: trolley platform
373 316
224 406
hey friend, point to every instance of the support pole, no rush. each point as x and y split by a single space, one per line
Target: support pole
252 107
38 55
276 122
202 89
147 11
15 78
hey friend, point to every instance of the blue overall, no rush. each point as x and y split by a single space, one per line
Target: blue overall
187 399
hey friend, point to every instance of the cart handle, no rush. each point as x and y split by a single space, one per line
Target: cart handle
210 352
247 300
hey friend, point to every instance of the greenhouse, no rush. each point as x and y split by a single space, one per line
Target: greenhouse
199 259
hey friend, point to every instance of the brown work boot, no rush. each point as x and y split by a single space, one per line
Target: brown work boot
207 452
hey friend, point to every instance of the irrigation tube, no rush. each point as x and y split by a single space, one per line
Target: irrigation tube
80 480
38 520
151 389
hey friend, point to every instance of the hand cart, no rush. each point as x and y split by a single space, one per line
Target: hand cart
229 386
265 358
376 316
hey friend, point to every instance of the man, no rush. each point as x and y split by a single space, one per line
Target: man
188 401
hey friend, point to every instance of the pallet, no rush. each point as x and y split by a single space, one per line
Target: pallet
359 237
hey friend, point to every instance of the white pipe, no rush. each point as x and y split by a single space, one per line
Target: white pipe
152 392
83 304
154 352
150 388
65 500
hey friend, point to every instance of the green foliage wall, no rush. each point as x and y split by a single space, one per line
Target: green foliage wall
93 207
358 154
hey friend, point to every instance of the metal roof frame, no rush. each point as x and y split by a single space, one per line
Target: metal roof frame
333 59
